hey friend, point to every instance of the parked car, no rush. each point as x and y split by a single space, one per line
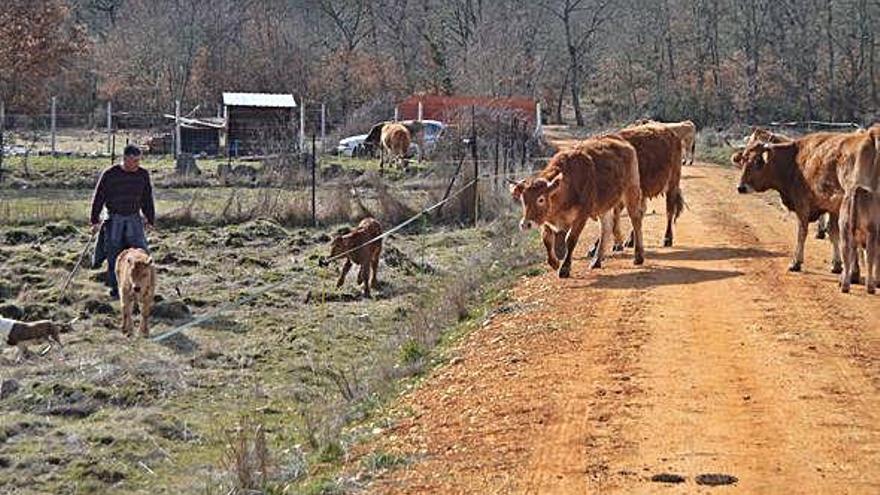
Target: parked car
356 146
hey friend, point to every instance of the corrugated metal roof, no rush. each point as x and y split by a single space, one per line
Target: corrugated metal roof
259 100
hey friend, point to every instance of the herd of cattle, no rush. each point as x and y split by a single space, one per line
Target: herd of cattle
833 174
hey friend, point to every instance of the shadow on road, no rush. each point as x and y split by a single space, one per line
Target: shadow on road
712 254
657 276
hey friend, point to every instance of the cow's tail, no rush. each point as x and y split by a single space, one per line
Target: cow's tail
861 196
678 204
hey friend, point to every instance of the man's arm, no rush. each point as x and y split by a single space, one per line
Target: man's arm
99 198
148 206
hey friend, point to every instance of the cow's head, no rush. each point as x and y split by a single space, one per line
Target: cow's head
535 196
141 270
375 134
759 164
340 244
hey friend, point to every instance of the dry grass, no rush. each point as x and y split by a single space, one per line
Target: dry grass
247 458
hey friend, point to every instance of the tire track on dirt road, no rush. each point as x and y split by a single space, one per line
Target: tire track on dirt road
711 358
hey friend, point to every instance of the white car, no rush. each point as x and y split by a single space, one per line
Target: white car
352 146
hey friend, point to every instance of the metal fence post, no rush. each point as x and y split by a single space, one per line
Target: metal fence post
2 128
177 146
109 123
53 126
314 177
323 126
476 163
302 125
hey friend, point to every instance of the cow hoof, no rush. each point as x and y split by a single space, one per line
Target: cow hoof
820 234
596 263
795 266
639 260
592 252
844 288
836 268
667 242
871 289
617 248
630 243
856 278
553 264
564 272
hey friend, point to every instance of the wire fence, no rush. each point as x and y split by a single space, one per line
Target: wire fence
278 155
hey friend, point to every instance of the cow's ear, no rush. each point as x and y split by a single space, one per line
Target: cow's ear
735 158
149 261
553 184
516 189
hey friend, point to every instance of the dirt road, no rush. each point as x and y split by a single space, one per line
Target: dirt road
709 359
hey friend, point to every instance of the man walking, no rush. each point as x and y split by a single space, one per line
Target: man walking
126 191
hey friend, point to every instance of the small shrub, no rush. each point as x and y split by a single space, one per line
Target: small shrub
247 456
378 461
412 352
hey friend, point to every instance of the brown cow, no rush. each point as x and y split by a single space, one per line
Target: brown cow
860 228
659 153
811 175
588 181
137 285
686 131
761 135
392 138
367 256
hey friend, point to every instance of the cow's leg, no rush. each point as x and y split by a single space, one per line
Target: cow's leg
822 227
571 240
834 229
643 207
365 276
146 306
618 235
345 268
870 259
636 208
375 264
550 240
848 250
607 221
127 308
798 260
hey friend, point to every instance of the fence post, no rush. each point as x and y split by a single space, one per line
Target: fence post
420 111
109 123
302 125
112 149
177 146
53 126
323 126
314 174
476 163
539 126
396 114
2 128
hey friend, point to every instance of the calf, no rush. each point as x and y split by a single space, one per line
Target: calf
136 276
588 181
811 175
18 333
367 256
860 228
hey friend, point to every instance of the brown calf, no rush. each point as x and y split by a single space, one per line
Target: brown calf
860 228
585 182
137 285
365 256
811 175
